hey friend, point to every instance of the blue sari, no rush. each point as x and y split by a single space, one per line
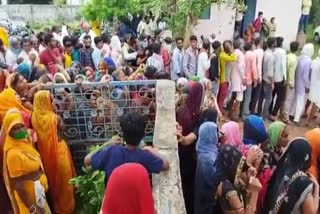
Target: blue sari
207 152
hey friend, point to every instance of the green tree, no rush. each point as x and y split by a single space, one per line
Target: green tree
182 15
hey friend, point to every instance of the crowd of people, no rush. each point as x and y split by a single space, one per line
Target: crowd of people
222 170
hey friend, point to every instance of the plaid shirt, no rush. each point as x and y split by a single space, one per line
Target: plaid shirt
85 58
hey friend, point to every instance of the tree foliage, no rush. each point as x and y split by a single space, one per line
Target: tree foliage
181 15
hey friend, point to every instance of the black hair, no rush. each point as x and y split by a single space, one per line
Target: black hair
279 41
179 38
25 40
257 41
216 45
66 40
260 13
271 42
54 28
133 126
97 39
193 38
157 32
225 43
150 72
206 44
294 46
105 38
247 46
40 36
47 38
86 37
1 42
162 76
208 115
156 47
236 44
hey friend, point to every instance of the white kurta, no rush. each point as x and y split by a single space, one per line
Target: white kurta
314 95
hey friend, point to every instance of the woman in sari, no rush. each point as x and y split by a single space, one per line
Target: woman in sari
236 188
128 191
207 152
254 131
313 136
291 188
188 116
22 169
278 138
55 154
231 134
9 99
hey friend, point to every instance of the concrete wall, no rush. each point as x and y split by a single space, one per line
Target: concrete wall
37 13
287 14
221 23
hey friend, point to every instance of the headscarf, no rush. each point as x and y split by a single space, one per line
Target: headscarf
128 191
61 76
110 63
12 40
308 50
25 70
254 131
208 140
115 43
8 100
11 119
53 151
275 130
297 158
182 81
232 134
188 114
207 152
229 160
313 136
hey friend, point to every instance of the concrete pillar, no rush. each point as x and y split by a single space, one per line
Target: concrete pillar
167 190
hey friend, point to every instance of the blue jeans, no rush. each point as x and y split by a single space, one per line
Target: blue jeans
246 101
267 91
303 22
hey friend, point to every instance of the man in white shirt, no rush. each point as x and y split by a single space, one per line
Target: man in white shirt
177 60
203 59
280 76
256 91
144 27
87 31
305 11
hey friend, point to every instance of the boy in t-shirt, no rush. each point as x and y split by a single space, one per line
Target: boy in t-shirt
133 128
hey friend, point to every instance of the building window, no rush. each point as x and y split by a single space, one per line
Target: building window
206 13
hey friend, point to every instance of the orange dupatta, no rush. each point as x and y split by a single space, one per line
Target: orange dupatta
8 100
55 154
313 136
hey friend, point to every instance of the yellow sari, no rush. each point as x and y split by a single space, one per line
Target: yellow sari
20 159
55 154
8 100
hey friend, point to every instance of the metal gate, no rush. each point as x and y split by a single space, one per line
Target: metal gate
90 111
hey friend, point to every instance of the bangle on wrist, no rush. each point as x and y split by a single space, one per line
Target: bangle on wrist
251 208
32 209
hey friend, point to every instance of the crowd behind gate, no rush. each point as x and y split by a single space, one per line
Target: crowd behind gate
218 85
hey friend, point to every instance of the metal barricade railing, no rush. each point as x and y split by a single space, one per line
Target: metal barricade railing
90 112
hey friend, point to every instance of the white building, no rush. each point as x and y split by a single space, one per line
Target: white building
220 21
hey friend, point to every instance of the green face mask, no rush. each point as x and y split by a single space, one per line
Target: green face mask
20 135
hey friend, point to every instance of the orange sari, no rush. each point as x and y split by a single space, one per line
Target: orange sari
55 154
313 136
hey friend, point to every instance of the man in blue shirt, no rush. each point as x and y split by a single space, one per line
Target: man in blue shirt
108 158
